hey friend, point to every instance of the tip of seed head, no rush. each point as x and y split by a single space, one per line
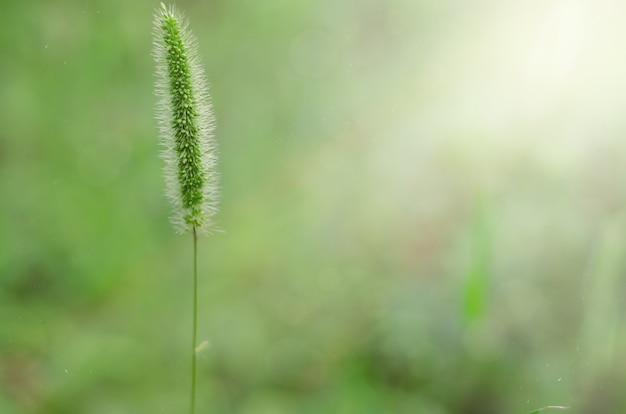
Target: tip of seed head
163 6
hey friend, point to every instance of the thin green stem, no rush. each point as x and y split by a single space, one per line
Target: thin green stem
195 321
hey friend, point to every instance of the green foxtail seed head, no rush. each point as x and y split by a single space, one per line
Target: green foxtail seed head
186 123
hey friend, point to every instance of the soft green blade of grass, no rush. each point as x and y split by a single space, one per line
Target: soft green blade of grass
601 333
548 407
477 278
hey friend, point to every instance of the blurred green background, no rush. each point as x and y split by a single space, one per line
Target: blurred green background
423 210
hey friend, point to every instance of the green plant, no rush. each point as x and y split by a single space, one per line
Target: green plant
548 407
186 126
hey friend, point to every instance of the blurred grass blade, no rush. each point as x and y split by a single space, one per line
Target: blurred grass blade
549 407
600 331
477 277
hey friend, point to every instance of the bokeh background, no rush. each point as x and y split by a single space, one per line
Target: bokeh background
423 210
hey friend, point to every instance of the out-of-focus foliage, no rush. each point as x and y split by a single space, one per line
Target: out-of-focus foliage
423 210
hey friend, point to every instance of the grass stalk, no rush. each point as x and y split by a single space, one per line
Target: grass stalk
185 120
195 321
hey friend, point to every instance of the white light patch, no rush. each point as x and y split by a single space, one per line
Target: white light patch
555 54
